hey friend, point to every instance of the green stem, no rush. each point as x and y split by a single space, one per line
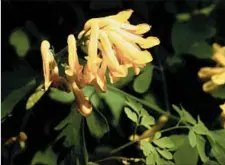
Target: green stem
119 158
166 98
175 127
148 104
133 142
122 147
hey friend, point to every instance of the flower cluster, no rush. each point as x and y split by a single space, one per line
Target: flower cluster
112 44
216 75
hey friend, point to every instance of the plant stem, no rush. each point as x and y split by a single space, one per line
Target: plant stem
119 158
166 98
133 142
175 127
148 104
122 147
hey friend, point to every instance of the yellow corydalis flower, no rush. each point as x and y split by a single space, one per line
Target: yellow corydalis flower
223 115
75 79
216 75
119 44
50 68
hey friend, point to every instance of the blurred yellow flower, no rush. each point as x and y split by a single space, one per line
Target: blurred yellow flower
216 75
112 40
223 115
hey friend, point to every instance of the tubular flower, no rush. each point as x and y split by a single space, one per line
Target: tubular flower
50 68
215 75
82 102
75 78
223 115
112 40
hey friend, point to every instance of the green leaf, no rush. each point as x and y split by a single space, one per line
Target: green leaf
219 136
181 37
218 152
201 148
97 124
81 154
157 135
20 41
183 17
116 102
201 50
131 115
146 147
61 96
178 140
92 163
14 97
46 157
137 107
164 142
185 154
219 92
211 162
96 101
150 159
200 128
192 138
70 130
16 84
178 110
125 80
143 81
187 117
164 153
35 97
184 35
207 10
146 119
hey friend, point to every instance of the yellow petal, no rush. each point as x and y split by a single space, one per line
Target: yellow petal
93 48
131 53
142 28
143 42
219 79
108 51
45 60
113 79
100 80
219 57
137 29
80 35
121 57
72 57
50 68
216 47
82 102
207 72
209 86
222 106
121 17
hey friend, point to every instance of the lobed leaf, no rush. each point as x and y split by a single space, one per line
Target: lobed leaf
97 124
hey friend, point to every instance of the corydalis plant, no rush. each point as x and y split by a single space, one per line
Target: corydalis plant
112 43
